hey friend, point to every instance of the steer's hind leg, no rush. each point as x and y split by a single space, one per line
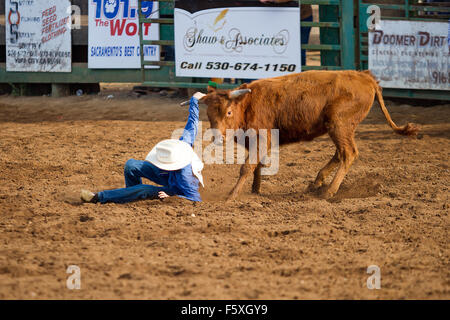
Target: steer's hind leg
347 153
325 172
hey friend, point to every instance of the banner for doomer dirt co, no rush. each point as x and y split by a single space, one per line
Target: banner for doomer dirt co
114 34
236 39
410 54
38 37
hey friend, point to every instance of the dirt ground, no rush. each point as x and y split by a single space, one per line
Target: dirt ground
392 210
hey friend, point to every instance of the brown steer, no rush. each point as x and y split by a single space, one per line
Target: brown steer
302 106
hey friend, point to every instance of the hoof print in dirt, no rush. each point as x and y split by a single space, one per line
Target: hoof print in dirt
85 218
126 276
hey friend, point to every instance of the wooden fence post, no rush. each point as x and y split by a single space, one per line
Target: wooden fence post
60 90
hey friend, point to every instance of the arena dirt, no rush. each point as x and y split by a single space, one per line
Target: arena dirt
392 211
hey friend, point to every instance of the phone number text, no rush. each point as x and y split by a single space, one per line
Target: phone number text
239 66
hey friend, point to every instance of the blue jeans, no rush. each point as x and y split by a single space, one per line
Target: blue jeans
134 171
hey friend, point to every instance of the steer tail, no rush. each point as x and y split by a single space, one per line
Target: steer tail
408 130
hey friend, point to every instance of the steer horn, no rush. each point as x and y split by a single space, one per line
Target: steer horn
237 93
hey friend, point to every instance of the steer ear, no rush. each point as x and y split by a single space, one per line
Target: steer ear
211 89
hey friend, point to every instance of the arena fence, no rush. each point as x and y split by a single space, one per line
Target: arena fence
343 45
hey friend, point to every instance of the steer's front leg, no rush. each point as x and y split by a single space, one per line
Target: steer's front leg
256 186
246 170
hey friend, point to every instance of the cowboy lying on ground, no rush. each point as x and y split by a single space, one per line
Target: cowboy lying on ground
172 164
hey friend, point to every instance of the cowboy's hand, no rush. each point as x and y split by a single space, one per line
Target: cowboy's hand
199 95
163 195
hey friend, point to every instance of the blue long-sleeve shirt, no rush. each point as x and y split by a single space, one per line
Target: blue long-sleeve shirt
183 182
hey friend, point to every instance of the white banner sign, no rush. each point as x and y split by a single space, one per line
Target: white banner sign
38 36
114 34
236 41
410 54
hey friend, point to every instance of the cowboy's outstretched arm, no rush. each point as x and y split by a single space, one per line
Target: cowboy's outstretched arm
191 128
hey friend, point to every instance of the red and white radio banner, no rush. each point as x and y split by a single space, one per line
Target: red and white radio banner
114 34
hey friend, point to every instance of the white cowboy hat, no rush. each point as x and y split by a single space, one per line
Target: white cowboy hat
171 154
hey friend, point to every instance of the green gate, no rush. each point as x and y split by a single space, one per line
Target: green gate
410 10
337 42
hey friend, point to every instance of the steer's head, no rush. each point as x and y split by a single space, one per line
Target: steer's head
226 108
